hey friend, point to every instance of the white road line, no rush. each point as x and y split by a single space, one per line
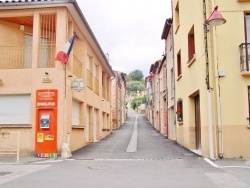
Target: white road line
216 166
211 163
132 146
47 161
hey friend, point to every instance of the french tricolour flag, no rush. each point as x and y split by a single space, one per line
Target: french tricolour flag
63 54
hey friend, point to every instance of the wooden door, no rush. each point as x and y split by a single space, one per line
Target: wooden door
197 122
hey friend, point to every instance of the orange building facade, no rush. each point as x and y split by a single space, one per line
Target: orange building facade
48 102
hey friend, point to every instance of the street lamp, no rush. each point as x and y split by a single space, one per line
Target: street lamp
215 19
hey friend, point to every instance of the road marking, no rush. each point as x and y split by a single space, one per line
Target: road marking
47 161
216 166
211 163
225 180
132 146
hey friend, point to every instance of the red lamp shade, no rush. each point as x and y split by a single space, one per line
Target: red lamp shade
215 18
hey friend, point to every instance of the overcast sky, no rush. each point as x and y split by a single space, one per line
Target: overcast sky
128 30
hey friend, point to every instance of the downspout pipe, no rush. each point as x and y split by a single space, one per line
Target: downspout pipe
209 98
173 55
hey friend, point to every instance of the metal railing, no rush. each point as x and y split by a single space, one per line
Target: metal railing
77 67
20 57
96 85
90 79
15 57
244 56
104 92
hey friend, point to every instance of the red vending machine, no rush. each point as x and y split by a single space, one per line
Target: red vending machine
46 123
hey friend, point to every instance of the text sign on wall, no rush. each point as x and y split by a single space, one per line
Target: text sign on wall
46 98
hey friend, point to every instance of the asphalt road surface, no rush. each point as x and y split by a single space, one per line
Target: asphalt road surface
133 156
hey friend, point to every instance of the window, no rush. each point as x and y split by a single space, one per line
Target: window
76 113
89 66
191 45
172 83
179 64
177 17
179 110
96 78
248 104
27 51
247 20
47 41
14 109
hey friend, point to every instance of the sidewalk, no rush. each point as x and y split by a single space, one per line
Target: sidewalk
24 159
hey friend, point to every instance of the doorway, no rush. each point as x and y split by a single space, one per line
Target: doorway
197 122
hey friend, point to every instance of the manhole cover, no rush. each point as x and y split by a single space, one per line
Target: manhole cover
98 167
4 173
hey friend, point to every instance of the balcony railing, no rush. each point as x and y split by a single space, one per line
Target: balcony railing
90 79
20 57
244 57
96 85
15 57
77 67
104 92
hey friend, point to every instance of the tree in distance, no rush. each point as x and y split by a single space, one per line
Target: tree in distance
135 80
136 75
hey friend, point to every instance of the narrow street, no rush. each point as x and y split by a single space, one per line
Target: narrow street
135 155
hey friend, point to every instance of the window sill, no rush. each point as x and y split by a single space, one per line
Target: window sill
15 125
179 77
177 28
78 127
180 123
105 129
191 61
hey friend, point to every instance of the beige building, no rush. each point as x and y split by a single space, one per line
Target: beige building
118 99
42 98
212 77
168 62
157 96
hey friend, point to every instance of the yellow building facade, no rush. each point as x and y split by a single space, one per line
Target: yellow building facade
212 77
48 102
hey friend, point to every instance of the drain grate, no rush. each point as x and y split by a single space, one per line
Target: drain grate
4 173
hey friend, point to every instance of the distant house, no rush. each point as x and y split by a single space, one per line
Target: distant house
156 96
48 101
168 60
118 99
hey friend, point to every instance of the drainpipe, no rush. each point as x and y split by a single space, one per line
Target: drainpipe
173 59
219 105
218 93
209 98
159 104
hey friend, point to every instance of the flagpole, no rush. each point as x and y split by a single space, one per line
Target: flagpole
65 80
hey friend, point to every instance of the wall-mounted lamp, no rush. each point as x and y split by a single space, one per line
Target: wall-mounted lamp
21 28
215 19
1 82
77 84
46 78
